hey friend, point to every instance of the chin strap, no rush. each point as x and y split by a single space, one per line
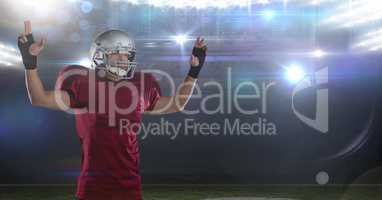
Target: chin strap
118 71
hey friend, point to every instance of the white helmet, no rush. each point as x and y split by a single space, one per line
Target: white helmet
112 42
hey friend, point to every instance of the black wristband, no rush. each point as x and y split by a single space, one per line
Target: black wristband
194 72
201 54
29 61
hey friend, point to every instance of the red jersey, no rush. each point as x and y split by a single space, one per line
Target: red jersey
108 115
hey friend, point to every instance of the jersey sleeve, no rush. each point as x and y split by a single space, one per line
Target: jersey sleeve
153 92
73 79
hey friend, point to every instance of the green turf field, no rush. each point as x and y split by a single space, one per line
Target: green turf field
194 192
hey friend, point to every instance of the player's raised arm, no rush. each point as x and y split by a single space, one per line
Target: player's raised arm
30 50
177 103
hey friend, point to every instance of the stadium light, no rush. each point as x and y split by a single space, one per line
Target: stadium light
86 6
9 55
363 15
85 62
294 73
199 4
268 14
318 53
180 39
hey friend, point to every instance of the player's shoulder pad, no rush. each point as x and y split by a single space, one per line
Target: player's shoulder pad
139 75
73 72
148 75
73 68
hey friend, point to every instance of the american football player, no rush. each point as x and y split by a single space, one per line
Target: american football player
110 160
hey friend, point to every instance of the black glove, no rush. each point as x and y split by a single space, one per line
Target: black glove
29 60
201 54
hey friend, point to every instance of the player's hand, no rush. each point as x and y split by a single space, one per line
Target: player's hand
29 49
199 50
199 53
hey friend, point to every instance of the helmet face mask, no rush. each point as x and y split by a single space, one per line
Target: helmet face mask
122 65
106 54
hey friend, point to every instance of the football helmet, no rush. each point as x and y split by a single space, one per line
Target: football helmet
114 42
